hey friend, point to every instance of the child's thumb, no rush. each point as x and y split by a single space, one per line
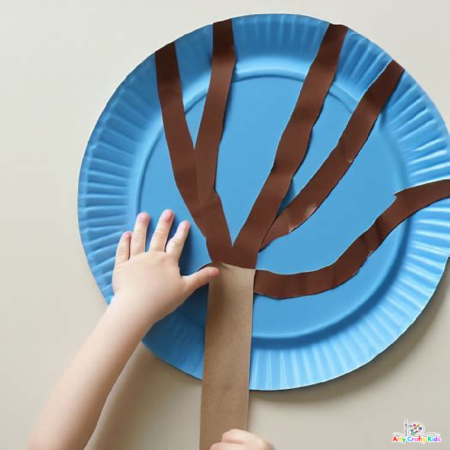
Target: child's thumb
200 278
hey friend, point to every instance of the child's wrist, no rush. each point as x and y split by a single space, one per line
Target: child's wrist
131 317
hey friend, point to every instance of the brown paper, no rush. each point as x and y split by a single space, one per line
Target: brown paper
227 353
218 239
194 169
406 203
179 141
356 133
291 149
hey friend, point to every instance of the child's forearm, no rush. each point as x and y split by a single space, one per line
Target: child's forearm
147 286
72 412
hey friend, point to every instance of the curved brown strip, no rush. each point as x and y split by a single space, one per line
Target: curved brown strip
406 203
195 169
355 135
291 149
179 141
217 234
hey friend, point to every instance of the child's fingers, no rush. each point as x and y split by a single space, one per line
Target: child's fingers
123 248
175 245
200 278
237 436
161 233
139 234
227 446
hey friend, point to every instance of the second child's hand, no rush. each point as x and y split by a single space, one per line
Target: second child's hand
242 440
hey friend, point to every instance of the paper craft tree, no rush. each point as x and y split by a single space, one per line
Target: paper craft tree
230 298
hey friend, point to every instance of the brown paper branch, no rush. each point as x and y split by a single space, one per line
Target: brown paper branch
230 297
195 168
291 149
179 141
355 135
406 203
218 238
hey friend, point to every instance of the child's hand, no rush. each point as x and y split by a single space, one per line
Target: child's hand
147 284
242 440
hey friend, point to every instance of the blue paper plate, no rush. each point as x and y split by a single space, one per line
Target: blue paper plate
300 341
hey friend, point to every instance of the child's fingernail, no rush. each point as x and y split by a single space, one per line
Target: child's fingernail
167 214
143 216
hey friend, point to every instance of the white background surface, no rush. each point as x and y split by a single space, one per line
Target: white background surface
60 62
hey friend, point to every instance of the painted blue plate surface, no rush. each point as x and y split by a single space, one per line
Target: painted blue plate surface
300 341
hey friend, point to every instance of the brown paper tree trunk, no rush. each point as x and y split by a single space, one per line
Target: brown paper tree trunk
228 338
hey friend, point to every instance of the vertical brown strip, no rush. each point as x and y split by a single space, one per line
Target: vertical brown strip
178 137
292 147
228 336
218 239
195 169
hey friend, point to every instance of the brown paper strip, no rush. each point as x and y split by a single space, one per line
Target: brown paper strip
406 203
195 171
218 239
178 137
356 133
226 367
291 149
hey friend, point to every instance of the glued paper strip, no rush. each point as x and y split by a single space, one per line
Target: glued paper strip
179 141
195 169
355 135
292 147
406 203
227 353
218 238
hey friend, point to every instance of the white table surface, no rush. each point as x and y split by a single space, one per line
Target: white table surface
60 62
